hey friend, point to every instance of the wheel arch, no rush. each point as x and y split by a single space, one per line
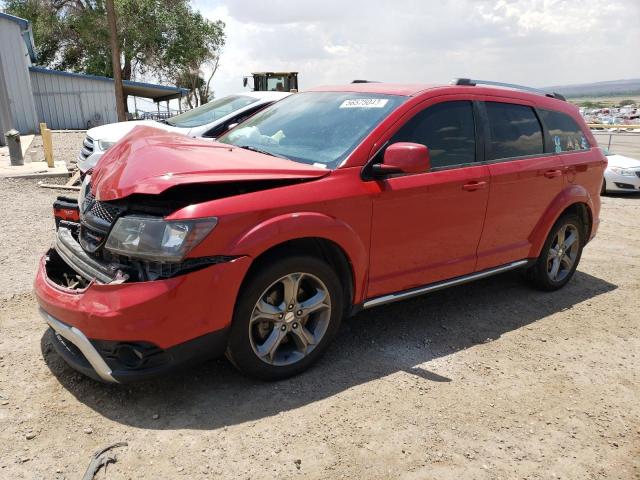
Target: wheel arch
583 211
309 233
318 247
574 200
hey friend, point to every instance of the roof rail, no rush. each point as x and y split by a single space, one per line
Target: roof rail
472 83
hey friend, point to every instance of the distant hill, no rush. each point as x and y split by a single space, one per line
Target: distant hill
599 89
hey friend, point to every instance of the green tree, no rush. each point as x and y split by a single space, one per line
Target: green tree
165 39
627 102
194 80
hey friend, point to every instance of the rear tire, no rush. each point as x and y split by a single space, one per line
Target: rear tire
603 189
287 313
559 256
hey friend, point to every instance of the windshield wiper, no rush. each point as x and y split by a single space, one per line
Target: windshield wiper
264 152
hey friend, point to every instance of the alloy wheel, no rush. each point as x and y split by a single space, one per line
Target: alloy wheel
290 318
563 252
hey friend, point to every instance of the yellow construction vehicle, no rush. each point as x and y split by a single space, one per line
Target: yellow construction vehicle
273 81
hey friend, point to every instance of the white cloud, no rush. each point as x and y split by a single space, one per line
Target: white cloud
535 42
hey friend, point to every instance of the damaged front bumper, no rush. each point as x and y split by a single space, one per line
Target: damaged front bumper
114 329
82 343
86 266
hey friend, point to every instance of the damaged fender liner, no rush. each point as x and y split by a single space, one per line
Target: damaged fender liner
73 255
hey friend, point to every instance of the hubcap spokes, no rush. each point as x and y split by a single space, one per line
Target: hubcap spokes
563 253
289 319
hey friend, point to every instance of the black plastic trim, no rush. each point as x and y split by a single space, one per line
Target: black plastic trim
210 345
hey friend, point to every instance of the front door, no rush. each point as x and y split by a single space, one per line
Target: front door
426 227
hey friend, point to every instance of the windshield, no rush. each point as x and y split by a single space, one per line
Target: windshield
210 112
314 127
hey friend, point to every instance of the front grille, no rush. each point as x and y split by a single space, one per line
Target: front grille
101 210
87 148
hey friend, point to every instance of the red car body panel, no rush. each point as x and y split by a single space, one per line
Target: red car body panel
397 233
163 312
413 247
506 236
344 218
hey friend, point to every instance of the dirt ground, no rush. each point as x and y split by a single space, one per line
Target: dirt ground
489 380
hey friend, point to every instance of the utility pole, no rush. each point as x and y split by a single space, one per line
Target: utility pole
115 60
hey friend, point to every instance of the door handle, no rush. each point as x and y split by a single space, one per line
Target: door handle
552 173
474 185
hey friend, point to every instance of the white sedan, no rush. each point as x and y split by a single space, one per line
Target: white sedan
622 174
206 121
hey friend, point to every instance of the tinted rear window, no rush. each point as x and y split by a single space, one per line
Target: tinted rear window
515 131
447 129
566 135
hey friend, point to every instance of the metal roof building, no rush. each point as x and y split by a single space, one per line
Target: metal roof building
30 94
75 101
16 53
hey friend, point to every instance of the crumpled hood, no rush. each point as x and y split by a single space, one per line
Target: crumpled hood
150 161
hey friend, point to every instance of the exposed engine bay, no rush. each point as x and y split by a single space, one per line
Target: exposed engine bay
78 256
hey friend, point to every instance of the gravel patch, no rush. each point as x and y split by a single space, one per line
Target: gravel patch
66 146
26 218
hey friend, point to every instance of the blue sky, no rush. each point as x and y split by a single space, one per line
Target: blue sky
535 42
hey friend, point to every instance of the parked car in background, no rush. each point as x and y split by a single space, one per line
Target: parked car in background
206 121
622 174
329 202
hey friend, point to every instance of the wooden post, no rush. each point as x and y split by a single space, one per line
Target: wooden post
47 144
115 60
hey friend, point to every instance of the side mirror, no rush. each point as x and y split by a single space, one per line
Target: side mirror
245 81
403 157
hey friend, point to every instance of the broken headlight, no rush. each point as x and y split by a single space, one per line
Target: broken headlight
155 239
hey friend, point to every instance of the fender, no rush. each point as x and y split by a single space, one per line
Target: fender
298 225
570 195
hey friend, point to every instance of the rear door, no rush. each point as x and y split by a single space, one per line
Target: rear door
524 180
568 139
426 227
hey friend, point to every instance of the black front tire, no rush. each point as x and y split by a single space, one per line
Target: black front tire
538 274
240 350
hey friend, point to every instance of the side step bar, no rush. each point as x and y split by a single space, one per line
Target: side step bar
414 292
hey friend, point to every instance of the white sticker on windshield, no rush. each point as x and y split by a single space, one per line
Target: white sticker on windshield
364 103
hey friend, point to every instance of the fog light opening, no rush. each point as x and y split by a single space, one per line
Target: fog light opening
130 356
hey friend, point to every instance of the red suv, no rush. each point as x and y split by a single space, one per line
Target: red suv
326 203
